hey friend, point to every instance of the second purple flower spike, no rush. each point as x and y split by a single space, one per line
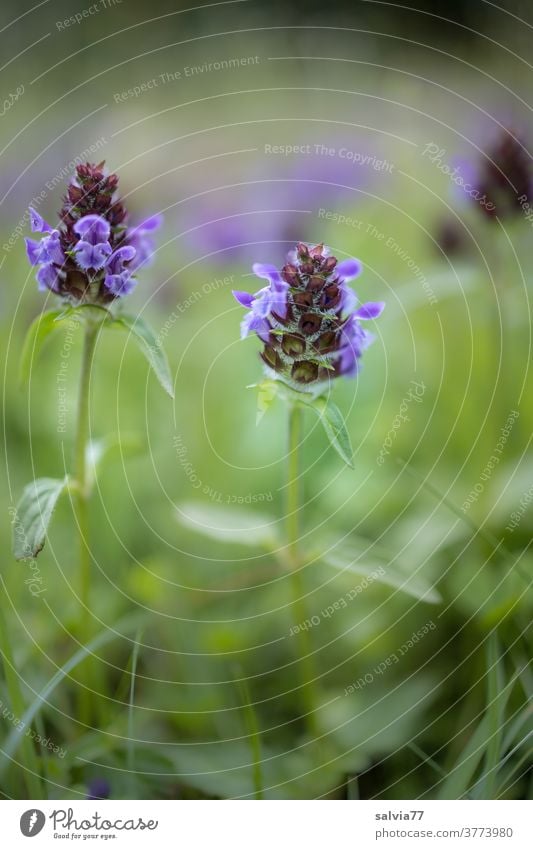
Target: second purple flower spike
308 317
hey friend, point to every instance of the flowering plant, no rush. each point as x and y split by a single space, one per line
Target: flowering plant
89 261
309 322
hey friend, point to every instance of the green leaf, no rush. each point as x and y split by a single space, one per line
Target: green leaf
266 393
327 411
344 558
100 452
42 699
459 777
38 332
146 339
33 515
45 324
228 524
333 424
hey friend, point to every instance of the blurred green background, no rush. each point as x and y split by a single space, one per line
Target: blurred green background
232 79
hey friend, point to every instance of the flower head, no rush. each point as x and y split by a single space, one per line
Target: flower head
98 788
500 182
307 317
93 255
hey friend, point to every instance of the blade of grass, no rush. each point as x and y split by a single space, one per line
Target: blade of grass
103 638
426 758
352 787
130 761
456 784
30 765
495 679
252 728
507 781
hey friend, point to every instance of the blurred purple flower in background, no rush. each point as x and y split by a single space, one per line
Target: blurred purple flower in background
276 205
98 788
500 181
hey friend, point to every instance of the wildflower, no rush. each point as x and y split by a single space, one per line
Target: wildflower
501 181
307 317
98 788
92 255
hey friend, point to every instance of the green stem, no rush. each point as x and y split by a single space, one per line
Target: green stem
299 607
31 765
82 502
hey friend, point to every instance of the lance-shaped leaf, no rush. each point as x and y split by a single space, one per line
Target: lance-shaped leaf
333 424
345 559
228 524
143 335
33 515
38 332
266 393
47 323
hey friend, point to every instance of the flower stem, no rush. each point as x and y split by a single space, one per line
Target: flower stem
82 503
299 607
31 764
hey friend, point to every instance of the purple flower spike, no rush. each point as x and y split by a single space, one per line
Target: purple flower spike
308 317
92 255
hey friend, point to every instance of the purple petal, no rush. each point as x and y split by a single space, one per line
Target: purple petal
150 224
47 250
370 310
91 256
93 229
268 272
48 278
348 269
120 284
116 261
278 303
37 222
243 298
348 300
262 302
33 251
348 365
254 323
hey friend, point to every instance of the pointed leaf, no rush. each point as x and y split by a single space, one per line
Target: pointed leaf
34 512
228 524
344 558
333 424
38 332
266 393
147 341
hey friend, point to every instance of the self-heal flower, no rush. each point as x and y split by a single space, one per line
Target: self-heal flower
92 255
500 181
308 317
